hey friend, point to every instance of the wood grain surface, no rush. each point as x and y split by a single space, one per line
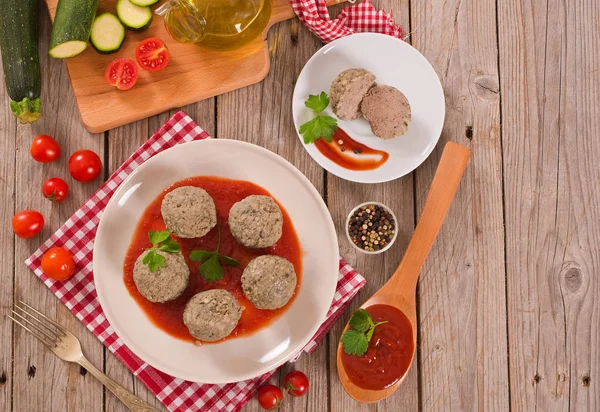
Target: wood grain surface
508 299
193 74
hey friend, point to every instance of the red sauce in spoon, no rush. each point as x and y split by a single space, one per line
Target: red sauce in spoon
390 351
351 154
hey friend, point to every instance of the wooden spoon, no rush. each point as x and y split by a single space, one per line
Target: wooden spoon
400 290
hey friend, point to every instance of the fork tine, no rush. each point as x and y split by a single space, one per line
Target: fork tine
39 337
36 326
57 325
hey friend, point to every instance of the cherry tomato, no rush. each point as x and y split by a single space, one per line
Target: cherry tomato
270 397
296 383
121 73
84 165
152 54
27 223
58 264
44 149
55 189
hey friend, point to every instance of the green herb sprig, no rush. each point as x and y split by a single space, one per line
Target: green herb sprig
321 126
356 340
211 269
160 241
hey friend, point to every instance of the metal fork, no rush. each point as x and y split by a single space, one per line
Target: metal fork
66 346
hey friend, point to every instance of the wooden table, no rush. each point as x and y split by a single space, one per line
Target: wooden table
509 297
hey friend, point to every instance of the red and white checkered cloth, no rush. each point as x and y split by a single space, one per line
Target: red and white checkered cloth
358 18
79 294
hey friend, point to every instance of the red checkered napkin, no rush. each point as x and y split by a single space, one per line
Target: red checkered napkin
79 293
357 18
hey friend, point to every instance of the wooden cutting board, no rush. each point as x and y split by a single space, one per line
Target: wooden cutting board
193 74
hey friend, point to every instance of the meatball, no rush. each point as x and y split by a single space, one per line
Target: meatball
269 281
189 212
167 282
348 90
212 315
256 221
388 111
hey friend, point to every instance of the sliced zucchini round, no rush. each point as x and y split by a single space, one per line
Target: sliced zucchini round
107 33
143 3
132 16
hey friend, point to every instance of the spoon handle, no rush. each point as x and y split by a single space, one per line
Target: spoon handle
441 193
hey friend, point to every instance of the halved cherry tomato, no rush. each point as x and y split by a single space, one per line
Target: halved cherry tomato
44 149
27 223
84 165
55 189
296 383
270 397
58 264
152 54
121 73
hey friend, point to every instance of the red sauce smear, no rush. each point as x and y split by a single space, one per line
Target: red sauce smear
389 354
168 316
352 157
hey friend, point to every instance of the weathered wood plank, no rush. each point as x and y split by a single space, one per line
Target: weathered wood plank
549 66
398 195
42 381
462 288
261 114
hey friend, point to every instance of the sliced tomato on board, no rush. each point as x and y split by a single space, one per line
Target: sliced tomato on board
121 73
152 54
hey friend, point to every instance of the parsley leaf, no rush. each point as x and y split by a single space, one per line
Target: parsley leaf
229 260
361 320
317 102
321 126
211 270
355 342
160 241
200 255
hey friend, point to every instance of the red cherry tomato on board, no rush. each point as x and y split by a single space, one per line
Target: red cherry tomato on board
270 397
152 54
58 264
27 223
85 165
55 189
296 383
121 73
44 149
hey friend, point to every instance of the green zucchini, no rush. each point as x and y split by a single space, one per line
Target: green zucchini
71 28
143 3
20 58
107 33
132 16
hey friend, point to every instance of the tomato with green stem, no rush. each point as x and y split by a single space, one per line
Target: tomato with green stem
296 383
270 397
55 189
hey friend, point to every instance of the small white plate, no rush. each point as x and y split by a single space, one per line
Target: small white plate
236 359
395 63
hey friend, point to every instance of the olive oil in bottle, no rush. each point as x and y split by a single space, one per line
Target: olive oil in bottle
216 24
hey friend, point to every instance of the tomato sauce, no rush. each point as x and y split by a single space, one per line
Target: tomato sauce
168 316
389 354
351 154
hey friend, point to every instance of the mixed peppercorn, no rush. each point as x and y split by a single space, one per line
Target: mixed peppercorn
371 227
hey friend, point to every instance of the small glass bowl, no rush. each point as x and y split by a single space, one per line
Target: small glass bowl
390 243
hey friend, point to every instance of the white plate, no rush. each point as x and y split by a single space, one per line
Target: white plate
393 62
235 359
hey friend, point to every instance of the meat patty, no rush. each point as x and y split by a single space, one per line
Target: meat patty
212 315
189 212
167 282
269 281
256 221
348 90
388 111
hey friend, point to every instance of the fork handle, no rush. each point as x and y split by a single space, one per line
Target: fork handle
134 403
